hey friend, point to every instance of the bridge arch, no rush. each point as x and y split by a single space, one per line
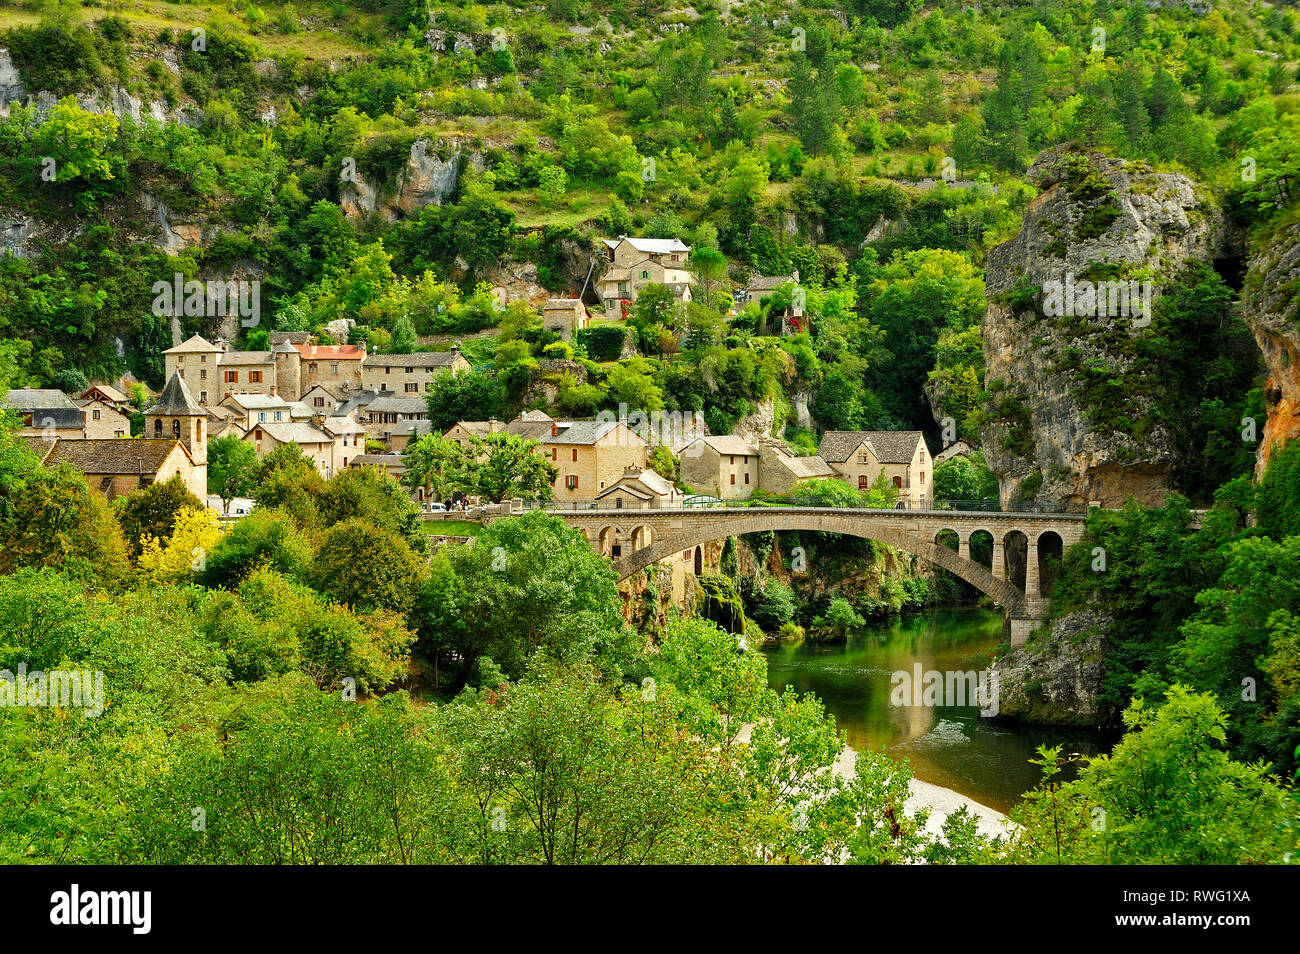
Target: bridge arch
1003 593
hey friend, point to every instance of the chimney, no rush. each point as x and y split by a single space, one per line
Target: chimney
455 349
272 390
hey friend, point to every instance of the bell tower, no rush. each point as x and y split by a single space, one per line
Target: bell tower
177 416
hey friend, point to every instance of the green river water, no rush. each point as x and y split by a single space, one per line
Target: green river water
983 759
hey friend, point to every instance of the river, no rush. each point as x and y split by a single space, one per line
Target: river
983 759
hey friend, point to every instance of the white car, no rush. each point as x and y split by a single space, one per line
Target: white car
436 507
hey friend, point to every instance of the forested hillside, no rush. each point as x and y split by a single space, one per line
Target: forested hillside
321 682
768 136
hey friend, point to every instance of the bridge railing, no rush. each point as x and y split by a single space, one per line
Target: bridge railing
941 504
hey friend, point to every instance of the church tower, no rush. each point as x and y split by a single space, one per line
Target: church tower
177 416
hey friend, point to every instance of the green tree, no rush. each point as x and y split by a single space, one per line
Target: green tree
1167 794
367 567
510 467
472 396
527 584
232 469
438 466
151 511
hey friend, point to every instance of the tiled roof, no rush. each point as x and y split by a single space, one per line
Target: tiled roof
387 461
729 444
412 428
478 428
40 446
345 425
294 432
420 359
397 405
890 447
256 402
110 392
585 432
176 400
807 467
193 345
115 455
767 283
650 246
330 352
358 400
31 399
530 430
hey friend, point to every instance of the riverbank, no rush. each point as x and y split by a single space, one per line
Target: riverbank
941 801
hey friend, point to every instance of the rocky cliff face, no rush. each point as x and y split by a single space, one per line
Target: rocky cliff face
1270 305
1068 297
428 177
1055 679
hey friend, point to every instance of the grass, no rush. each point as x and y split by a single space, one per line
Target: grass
451 528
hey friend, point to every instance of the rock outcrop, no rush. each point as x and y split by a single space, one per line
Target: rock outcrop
1056 677
1270 305
1118 229
428 177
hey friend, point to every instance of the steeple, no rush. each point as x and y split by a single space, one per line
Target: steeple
178 416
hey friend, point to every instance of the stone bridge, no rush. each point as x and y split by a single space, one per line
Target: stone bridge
1020 544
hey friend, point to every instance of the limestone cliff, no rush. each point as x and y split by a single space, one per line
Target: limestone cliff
427 177
1056 677
1270 305
1116 229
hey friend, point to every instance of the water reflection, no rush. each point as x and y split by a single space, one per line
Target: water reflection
947 745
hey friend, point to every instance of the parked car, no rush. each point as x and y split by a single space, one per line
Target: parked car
436 506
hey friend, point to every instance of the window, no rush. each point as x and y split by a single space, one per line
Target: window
157 427
410 370
412 388
334 367
318 402
862 482
203 375
94 415
176 429
645 274
313 368
571 481
922 476
203 397
575 453
428 385
555 454
232 377
261 417
254 377
733 480
203 359
279 415
731 459
746 476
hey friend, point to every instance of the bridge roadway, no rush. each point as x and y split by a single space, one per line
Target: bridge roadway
637 538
